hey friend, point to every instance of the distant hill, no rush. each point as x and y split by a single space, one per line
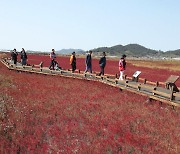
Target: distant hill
135 50
69 51
62 51
175 53
131 50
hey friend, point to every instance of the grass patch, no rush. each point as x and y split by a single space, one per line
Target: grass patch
161 64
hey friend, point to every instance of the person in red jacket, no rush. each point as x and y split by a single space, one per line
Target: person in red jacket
122 66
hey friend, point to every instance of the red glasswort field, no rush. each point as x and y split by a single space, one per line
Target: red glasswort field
48 114
151 74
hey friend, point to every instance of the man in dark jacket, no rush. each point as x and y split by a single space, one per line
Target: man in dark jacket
102 63
14 55
53 59
88 62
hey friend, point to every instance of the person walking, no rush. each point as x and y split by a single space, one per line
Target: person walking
23 57
73 61
88 62
102 63
122 66
14 55
53 59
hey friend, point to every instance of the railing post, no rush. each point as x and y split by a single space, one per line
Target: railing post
171 96
157 83
125 76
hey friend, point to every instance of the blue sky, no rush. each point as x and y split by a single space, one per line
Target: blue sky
87 24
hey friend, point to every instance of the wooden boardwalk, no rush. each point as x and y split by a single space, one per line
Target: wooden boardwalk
157 91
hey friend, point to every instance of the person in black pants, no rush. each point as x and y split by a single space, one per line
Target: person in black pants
23 57
102 63
53 59
73 61
14 55
88 62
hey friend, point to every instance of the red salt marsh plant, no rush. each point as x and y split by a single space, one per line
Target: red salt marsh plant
151 70
46 114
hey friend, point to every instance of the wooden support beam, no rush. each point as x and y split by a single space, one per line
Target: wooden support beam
129 78
136 86
150 82
147 86
163 94
176 94
141 79
165 101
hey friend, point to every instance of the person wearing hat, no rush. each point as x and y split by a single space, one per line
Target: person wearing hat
122 66
73 61
102 63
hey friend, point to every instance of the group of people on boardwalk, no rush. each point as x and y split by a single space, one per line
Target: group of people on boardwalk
23 56
102 63
88 62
